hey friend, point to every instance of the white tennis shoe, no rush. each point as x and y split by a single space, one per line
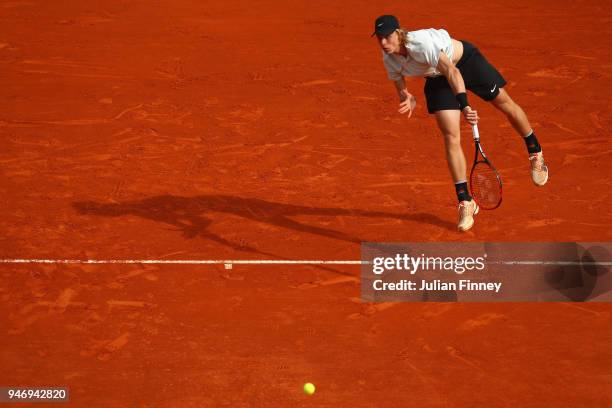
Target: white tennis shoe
467 211
539 170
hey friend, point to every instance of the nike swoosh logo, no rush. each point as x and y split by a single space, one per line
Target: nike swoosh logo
380 25
494 86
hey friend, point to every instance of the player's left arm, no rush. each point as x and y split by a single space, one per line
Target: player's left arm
455 79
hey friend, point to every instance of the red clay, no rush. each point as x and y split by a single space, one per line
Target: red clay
146 130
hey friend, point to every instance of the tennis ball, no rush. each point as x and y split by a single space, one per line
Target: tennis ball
309 388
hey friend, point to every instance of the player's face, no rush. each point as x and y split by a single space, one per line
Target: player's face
390 44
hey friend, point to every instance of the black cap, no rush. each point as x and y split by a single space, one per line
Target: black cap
385 25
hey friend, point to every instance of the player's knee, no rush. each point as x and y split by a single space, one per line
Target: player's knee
504 103
452 139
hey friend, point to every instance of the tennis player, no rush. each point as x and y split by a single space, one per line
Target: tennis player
450 67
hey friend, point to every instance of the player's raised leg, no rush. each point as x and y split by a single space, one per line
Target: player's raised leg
518 119
449 122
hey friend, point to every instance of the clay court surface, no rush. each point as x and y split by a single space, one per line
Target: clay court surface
266 130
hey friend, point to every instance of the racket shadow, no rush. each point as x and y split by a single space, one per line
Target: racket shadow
193 216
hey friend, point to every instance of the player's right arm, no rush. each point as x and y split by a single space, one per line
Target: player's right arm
405 97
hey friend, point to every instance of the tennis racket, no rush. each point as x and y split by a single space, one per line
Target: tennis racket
485 182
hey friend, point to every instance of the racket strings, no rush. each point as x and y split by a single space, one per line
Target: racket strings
485 186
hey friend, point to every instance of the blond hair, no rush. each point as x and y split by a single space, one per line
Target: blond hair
403 36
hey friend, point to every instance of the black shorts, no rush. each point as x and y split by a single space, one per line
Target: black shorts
479 76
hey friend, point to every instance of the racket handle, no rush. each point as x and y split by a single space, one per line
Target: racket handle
475 132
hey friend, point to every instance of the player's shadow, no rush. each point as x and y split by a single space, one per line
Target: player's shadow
193 215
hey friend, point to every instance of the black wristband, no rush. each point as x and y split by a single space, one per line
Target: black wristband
462 99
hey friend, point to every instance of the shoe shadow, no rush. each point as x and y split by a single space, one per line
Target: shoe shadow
193 215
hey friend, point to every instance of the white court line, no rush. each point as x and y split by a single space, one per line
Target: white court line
183 261
257 262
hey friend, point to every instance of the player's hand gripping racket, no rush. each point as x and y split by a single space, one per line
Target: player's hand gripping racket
485 182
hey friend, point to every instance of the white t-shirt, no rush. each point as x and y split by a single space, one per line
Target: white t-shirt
424 48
